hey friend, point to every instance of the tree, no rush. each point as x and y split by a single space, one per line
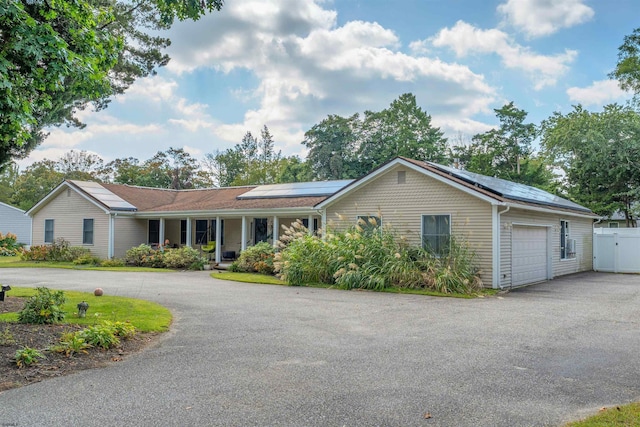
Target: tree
332 145
8 178
251 162
35 182
403 129
506 152
627 70
58 56
598 153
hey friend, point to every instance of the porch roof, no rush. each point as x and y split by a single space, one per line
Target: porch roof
210 199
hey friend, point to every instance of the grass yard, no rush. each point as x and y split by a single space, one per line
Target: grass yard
623 416
272 280
146 316
16 262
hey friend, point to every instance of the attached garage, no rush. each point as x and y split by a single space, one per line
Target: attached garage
529 254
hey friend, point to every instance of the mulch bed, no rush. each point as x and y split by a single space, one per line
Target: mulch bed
14 336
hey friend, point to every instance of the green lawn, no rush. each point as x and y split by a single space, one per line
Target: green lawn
146 316
623 416
16 262
272 280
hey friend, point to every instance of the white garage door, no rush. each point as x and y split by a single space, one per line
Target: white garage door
528 255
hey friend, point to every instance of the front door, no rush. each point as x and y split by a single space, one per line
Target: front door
259 230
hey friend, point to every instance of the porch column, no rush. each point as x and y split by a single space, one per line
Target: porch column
310 223
276 226
324 223
243 244
218 240
161 238
188 243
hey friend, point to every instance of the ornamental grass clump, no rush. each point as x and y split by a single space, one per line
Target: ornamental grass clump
369 256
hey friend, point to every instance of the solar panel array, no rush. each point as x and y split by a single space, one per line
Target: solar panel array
105 196
296 189
511 190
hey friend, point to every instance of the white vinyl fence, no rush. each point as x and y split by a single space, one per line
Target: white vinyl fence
616 250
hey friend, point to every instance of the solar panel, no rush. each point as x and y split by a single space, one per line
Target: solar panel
296 189
511 190
105 196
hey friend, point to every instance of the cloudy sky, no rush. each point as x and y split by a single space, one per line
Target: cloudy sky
290 63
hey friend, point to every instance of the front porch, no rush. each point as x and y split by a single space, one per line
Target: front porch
222 238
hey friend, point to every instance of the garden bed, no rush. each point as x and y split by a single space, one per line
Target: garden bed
14 336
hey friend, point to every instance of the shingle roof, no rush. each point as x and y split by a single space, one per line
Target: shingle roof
210 199
502 189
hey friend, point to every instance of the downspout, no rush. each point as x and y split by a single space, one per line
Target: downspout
593 244
496 252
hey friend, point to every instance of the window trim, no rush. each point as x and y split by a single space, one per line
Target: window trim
85 231
422 231
614 224
53 225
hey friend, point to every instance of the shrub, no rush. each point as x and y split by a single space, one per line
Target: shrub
373 258
257 258
44 307
114 262
9 245
87 259
59 251
184 257
144 256
27 356
35 253
103 335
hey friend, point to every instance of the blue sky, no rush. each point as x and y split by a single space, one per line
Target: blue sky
288 64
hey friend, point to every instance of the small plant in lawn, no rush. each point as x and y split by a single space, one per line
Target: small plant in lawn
71 343
6 337
44 307
102 335
27 356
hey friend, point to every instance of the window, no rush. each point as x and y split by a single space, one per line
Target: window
613 225
436 233
567 245
201 231
48 231
369 223
305 222
154 231
213 231
402 177
87 231
183 231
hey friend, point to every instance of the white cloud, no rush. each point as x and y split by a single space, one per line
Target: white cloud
154 89
307 67
465 39
538 18
599 93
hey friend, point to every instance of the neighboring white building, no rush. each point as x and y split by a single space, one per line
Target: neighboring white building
14 220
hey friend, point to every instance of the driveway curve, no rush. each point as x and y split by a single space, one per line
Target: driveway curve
260 355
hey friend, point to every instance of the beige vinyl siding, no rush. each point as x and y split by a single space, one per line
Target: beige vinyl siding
580 230
68 210
129 232
402 206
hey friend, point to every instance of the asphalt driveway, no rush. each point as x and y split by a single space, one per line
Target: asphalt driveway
259 355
